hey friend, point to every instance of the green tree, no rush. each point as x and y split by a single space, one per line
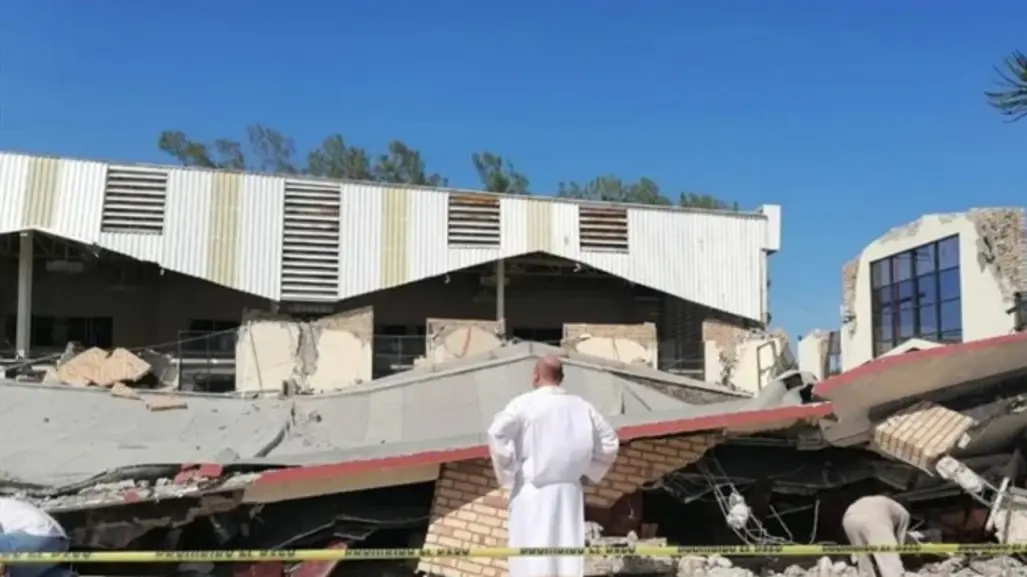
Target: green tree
609 188
1010 99
334 159
268 150
404 165
221 154
499 175
693 200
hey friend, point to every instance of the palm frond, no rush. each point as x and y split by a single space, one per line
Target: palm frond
1011 100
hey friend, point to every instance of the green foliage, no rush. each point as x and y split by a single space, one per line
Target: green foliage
267 150
1010 100
498 175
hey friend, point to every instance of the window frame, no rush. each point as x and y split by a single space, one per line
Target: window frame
907 296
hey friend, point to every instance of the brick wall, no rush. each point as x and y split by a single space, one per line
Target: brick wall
469 509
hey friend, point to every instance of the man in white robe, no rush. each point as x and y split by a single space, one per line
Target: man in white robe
543 444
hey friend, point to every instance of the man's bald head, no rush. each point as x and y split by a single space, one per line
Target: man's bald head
548 371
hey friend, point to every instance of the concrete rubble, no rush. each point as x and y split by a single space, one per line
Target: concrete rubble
96 367
946 438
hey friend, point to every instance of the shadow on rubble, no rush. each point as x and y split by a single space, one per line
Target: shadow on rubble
390 517
758 490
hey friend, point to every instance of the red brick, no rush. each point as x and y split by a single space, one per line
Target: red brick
469 510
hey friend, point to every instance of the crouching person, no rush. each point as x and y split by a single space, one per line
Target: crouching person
25 528
877 520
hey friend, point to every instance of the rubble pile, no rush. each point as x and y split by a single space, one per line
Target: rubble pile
717 566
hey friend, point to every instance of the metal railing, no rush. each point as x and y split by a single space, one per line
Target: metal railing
395 353
206 344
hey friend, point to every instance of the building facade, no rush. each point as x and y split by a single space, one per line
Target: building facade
943 279
139 255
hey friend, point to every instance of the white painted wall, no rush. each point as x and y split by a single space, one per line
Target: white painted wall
987 291
812 353
753 364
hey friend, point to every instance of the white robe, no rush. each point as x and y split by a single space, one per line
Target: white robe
542 445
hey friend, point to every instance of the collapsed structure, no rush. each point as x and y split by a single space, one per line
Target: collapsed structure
941 279
181 260
207 360
402 461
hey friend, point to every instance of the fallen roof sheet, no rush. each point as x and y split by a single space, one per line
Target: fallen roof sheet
914 373
708 418
451 405
60 435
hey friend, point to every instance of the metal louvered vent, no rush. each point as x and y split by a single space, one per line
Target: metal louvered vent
603 229
310 243
473 220
133 200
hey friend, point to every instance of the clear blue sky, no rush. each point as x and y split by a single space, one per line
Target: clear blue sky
853 115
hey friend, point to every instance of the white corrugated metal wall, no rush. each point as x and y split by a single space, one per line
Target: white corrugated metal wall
394 235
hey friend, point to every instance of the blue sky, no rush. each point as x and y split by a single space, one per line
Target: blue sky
855 116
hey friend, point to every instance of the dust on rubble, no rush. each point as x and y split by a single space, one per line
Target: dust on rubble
716 566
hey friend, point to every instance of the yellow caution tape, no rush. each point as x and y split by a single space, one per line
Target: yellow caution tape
296 555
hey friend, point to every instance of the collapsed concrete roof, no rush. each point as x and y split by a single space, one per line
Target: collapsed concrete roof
60 435
903 376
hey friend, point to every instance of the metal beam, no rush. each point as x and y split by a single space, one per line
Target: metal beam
23 327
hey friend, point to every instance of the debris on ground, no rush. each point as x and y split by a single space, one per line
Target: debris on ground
944 441
97 367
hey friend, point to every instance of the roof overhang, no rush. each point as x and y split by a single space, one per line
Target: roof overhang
748 422
921 372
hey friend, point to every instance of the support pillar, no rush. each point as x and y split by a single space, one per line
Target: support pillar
501 293
23 332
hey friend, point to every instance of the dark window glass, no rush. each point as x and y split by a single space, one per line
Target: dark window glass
928 320
925 259
906 324
916 293
948 253
880 273
906 290
883 296
883 347
951 316
927 289
948 282
902 267
884 328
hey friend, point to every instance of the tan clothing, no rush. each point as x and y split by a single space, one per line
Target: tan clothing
877 520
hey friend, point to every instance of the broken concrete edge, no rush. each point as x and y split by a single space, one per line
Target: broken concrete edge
750 421
828 387
142 392
189 483
195 479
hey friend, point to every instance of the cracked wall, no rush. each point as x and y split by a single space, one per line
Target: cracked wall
628 343
993 266
275 352
747 360
450 339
